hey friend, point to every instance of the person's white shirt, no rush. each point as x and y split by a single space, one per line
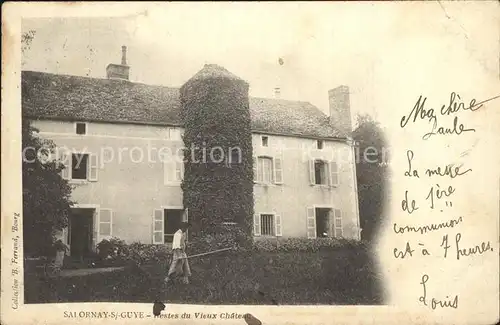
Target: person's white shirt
176 242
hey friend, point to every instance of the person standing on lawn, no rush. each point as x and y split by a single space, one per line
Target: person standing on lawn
180 265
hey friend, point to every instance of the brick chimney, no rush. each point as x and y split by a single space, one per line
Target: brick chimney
340 109
119 71
124 55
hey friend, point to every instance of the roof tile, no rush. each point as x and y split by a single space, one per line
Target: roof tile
53 96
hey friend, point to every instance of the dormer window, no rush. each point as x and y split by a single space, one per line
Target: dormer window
81 128
265 141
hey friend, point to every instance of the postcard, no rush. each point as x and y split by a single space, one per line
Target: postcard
250 162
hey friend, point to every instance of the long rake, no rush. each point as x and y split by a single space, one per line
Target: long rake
208 253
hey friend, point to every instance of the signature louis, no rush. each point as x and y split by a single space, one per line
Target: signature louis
435 303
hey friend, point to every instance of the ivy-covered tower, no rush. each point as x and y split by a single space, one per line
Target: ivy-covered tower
218 173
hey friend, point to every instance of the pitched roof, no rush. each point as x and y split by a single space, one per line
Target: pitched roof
53 96
214 71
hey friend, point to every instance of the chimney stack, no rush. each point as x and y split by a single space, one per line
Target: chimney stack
124 55
119 71
340 109
277 92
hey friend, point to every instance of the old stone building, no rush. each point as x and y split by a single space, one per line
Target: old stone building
112 134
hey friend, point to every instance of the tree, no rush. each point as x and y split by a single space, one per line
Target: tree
372 173
46 195
26 39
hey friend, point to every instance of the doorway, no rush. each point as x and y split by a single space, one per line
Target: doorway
172 223
81 232
322 222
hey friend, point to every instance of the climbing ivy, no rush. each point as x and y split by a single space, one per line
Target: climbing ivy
217 188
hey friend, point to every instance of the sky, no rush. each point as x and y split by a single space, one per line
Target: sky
375 50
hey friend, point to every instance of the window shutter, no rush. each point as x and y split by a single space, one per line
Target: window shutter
312 176
255 169
331 223
95 226
338 223
278 170
334 173
158 226
93 167
263 169
105 224
179 170
168 171
277 225
311 222
66 161
256 224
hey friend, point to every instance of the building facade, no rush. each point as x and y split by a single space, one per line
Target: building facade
122 145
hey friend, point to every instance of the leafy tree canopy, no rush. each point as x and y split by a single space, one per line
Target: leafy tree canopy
371 170
46 195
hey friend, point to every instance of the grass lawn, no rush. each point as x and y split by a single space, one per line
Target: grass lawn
285 278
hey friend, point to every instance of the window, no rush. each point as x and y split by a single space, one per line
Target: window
81 128
320 174
173 169
267 224
234 158
79 166
179 171
166 222
265 170
319 144
265 141
268 170
324 222
325 173
172 222
174 133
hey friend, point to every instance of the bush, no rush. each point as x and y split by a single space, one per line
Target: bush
222 236
342 275
139 254
303 244
111 249
115 252
349 268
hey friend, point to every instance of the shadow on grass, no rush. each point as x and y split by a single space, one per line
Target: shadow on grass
340 277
